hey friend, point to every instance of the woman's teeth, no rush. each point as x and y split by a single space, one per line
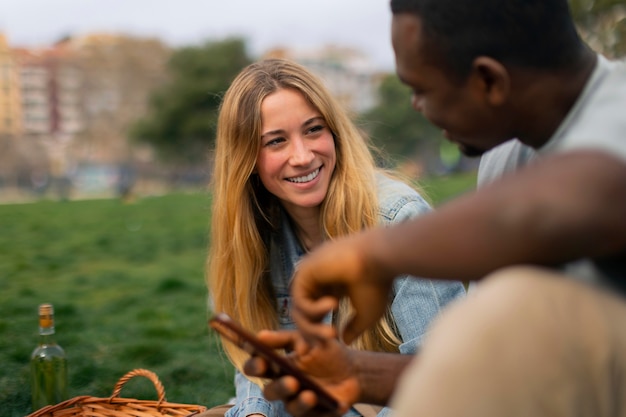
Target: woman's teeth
306 178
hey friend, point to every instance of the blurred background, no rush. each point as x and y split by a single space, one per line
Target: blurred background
107 120
101 100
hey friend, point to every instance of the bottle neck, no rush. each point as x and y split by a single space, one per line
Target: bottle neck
46 335
46 324
46 331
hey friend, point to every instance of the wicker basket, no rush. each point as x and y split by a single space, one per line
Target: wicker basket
114 406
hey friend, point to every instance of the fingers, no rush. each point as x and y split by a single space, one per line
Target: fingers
309 312
260 367
311 305
256 366
354 327
325 276
314 309
278 339
314 299
363 318
304 403
313 331
283 388
321 360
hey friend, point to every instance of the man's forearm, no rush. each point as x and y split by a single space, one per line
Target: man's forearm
378 374
537 216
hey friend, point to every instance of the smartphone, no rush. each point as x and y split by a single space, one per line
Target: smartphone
246 340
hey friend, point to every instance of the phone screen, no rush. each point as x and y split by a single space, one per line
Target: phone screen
246 340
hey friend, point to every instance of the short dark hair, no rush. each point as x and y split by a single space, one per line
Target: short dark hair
536 34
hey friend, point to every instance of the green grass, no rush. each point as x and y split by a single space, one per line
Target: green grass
127 283
441 189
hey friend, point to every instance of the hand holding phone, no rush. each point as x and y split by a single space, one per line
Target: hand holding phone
246 340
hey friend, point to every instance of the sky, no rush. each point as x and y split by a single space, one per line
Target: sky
265 24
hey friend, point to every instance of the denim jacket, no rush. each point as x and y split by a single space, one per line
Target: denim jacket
415 301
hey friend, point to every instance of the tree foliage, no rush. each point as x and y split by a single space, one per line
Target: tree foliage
602 24
182 116
394 126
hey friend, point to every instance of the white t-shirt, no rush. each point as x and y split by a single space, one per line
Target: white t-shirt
596 121
602 115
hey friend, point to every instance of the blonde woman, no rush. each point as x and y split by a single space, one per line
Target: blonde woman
291 171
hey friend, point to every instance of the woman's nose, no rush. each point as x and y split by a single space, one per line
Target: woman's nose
301 154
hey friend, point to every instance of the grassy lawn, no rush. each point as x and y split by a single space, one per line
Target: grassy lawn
127 283
441 189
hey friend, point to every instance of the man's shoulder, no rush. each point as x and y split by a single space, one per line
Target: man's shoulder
504 158
601 124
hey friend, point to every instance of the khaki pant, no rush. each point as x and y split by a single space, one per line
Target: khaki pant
527 342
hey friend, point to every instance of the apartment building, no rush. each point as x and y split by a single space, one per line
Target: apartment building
348 73
49 84
10 98
81 92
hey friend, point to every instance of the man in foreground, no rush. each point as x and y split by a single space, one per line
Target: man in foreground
544 333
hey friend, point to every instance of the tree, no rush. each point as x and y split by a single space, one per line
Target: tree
182 116
396 128
602 23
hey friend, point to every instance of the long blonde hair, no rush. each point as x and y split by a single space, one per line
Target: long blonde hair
244 212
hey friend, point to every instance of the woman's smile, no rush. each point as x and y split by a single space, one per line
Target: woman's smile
305 178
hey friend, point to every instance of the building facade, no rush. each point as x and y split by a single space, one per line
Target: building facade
10 99
349 74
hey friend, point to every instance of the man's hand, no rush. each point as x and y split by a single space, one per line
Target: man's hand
328 362
343 268
348 375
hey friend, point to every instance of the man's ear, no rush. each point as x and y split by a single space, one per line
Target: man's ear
492 79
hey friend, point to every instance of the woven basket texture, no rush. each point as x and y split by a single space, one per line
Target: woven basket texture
114 406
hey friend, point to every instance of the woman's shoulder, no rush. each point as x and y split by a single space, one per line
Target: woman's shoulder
398 200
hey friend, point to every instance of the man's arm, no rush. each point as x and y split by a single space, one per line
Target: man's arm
378 374
559 209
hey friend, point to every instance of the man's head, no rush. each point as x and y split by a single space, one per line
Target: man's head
537 34
459 56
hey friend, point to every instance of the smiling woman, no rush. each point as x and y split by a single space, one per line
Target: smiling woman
292 171
297 157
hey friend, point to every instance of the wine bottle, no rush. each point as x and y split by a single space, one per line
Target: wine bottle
48 364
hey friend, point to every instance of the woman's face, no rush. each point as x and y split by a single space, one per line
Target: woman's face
297 154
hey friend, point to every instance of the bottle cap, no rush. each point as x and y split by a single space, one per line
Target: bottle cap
46 313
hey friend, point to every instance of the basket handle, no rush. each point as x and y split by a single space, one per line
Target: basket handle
140 372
